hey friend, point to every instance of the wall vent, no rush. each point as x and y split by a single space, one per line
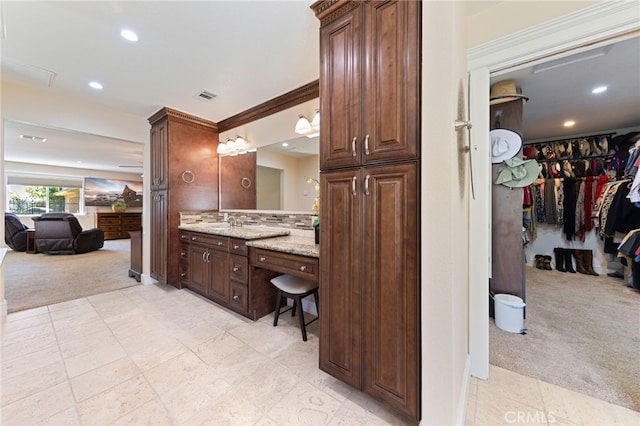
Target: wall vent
206 96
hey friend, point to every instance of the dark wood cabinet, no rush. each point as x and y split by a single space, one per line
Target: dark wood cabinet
218 268
369 163
118 225
184 177
370 66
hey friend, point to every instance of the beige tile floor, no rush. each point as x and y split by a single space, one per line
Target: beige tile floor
155 355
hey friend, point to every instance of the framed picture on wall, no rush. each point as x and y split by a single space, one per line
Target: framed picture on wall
103 192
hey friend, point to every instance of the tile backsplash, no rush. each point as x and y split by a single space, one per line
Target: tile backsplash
298 223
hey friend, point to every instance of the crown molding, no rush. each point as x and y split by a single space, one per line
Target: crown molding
285 101
594 24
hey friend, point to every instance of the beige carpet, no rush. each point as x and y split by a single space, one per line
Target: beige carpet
583 333
33 280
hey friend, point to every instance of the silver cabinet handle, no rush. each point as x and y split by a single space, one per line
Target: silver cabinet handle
204 256
366 185
262 258
366 144
236 269
353 186
353 146
303 268
236 297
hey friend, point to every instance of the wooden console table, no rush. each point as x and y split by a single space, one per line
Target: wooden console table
118 225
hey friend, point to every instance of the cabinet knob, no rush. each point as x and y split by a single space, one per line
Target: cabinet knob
220 243
182 275
236 269
262 258
193 238
303 268
236 297
236 247
183 253
183 236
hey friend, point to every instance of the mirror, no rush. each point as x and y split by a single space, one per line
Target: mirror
281 172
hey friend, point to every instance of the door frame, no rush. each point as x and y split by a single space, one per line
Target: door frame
600 24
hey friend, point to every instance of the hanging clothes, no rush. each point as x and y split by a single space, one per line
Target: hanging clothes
569 208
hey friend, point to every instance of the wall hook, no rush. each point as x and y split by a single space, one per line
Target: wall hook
459 124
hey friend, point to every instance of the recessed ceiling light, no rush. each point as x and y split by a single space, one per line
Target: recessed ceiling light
33 138
569 123
285 144
129 35
599 89
95 85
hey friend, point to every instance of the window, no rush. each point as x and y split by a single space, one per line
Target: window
32 199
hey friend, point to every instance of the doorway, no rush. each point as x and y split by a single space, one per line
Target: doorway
598 24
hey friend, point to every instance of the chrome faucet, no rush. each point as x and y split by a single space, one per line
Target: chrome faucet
235 222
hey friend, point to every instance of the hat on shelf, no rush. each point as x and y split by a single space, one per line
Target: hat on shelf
505 91
517 173
504 144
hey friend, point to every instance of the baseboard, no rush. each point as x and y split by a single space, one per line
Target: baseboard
146 279
3 310
464 392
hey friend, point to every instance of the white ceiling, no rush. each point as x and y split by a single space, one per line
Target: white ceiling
245 52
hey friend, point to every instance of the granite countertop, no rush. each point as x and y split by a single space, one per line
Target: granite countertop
303 246
243 232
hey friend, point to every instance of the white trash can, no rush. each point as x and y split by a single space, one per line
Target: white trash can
509 312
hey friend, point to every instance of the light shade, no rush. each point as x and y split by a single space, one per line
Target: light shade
315 123
303 126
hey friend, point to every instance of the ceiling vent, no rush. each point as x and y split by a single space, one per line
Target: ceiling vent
205 96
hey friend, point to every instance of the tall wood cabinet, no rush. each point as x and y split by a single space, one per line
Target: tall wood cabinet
369 162
184 177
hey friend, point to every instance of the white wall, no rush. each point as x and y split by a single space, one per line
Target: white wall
445 217
506 17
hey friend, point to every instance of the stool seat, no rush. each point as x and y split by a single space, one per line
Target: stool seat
294 288
293 285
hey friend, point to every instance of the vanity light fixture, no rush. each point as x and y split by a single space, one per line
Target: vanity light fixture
308 128
234 147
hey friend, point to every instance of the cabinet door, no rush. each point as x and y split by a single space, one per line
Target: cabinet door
391 91
391 294
219 276
159 155
340 64
340 278
198 268
159 234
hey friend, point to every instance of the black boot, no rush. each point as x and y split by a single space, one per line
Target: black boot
568 260
559 253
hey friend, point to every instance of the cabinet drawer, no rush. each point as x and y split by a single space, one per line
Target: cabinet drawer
184 253
184 274
212 241
239 269
301 266
239 299
237 246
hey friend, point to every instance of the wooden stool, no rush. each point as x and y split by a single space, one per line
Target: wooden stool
295 288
